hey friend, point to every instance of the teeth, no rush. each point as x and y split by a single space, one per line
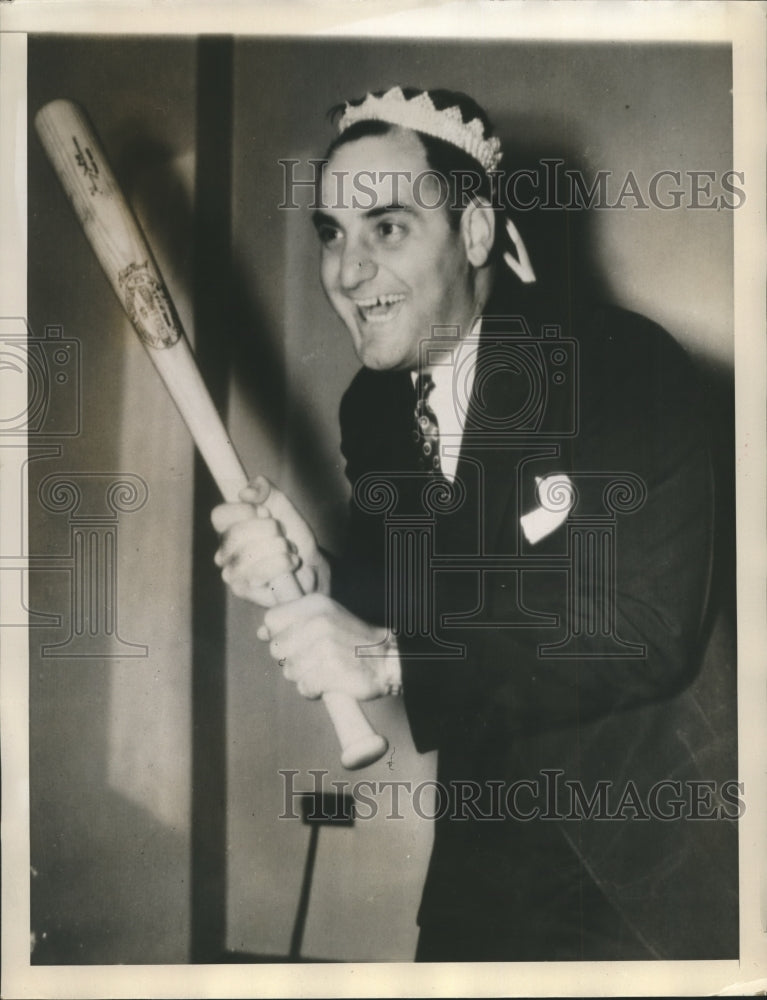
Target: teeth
379 300
379 308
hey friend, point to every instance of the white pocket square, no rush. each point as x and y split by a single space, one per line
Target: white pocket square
556 498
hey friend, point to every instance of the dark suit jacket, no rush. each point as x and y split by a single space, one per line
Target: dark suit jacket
572 661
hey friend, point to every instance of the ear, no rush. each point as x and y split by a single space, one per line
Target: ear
478 231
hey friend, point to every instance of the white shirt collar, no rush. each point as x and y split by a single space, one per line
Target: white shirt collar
449 399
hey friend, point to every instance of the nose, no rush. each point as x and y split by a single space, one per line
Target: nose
357 266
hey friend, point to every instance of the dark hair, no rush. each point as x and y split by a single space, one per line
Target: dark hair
451 163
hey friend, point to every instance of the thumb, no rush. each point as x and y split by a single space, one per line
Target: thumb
257 491
261 492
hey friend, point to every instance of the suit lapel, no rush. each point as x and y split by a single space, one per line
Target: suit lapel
499 443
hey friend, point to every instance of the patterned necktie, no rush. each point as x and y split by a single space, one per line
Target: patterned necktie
426 432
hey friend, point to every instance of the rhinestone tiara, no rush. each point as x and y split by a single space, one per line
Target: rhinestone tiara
420 114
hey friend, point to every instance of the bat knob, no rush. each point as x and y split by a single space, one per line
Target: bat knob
360 743
364 751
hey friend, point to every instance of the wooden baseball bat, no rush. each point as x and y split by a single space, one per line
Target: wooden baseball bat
127 261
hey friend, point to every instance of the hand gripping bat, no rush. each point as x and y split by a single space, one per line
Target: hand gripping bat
126 259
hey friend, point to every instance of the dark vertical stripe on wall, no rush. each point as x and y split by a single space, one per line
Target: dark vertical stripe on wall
212 276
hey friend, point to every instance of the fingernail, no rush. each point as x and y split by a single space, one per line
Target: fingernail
263 633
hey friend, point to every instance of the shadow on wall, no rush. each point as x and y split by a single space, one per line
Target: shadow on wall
561 241
160 184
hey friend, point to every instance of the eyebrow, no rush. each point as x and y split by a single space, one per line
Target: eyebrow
374 213
320 218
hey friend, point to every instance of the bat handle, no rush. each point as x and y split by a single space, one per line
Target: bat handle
360 743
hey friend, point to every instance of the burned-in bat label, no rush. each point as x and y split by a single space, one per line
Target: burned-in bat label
148 305
86 161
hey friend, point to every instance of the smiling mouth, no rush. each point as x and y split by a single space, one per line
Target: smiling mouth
380 308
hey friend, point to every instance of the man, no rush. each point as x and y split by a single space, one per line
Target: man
542 612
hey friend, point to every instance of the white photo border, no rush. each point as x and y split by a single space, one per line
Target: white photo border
739 23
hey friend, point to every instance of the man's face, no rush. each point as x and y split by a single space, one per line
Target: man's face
391 267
